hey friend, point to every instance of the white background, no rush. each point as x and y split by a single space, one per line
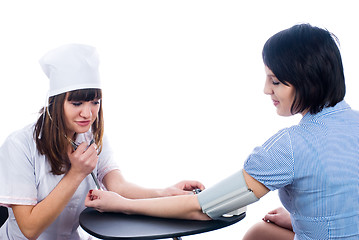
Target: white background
183 80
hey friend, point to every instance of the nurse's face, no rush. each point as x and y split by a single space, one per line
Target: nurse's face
80 115
282 95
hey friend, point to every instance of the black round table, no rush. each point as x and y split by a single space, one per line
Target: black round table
121 226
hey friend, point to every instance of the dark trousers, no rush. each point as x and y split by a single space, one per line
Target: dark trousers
3 215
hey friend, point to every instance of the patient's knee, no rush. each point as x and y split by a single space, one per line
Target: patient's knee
267 231
256 231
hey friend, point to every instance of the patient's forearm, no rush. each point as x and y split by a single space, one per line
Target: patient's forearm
184 207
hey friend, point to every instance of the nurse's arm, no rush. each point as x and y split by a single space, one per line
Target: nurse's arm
33 220
114 181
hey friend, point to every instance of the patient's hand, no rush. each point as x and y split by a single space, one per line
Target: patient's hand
280 217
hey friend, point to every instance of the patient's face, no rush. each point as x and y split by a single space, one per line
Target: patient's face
281 95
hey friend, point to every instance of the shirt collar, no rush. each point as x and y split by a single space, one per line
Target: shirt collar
341 106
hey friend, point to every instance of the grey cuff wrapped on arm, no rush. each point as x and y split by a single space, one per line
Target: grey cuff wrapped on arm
226 196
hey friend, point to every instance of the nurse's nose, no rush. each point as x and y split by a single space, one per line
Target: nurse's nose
86 110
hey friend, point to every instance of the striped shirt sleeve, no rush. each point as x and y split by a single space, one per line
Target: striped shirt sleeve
272 163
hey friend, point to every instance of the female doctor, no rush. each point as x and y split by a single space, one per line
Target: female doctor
315 164
45 167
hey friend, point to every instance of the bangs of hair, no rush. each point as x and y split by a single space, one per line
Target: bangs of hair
86 95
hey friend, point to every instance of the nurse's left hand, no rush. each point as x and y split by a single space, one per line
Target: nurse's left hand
182 188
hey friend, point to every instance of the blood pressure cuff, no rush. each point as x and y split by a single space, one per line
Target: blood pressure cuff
226 196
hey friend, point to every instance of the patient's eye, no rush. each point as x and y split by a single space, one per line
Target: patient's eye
275 82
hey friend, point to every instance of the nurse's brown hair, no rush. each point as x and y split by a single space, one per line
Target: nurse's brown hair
50 129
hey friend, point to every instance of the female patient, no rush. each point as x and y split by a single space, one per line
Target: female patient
44 175
315 164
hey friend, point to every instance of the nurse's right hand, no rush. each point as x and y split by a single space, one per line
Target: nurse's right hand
83 161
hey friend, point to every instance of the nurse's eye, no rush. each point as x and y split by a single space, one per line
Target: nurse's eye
96 102
76 104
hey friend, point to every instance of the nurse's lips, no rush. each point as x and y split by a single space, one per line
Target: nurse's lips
83 123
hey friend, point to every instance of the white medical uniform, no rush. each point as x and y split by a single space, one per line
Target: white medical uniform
26 179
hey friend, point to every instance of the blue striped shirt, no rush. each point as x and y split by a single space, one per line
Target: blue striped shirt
315 166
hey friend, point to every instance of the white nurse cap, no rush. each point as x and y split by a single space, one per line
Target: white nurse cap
71 67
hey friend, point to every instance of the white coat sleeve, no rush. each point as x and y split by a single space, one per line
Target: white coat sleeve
106 162
17 171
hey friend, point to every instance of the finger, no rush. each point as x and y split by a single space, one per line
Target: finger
96 193
88 159
275 211
90 198
70 149
91 153
82 147
98 209
191 185
199 185
187 192
92 147
90 194
90 150
90 203
92 158
270 217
